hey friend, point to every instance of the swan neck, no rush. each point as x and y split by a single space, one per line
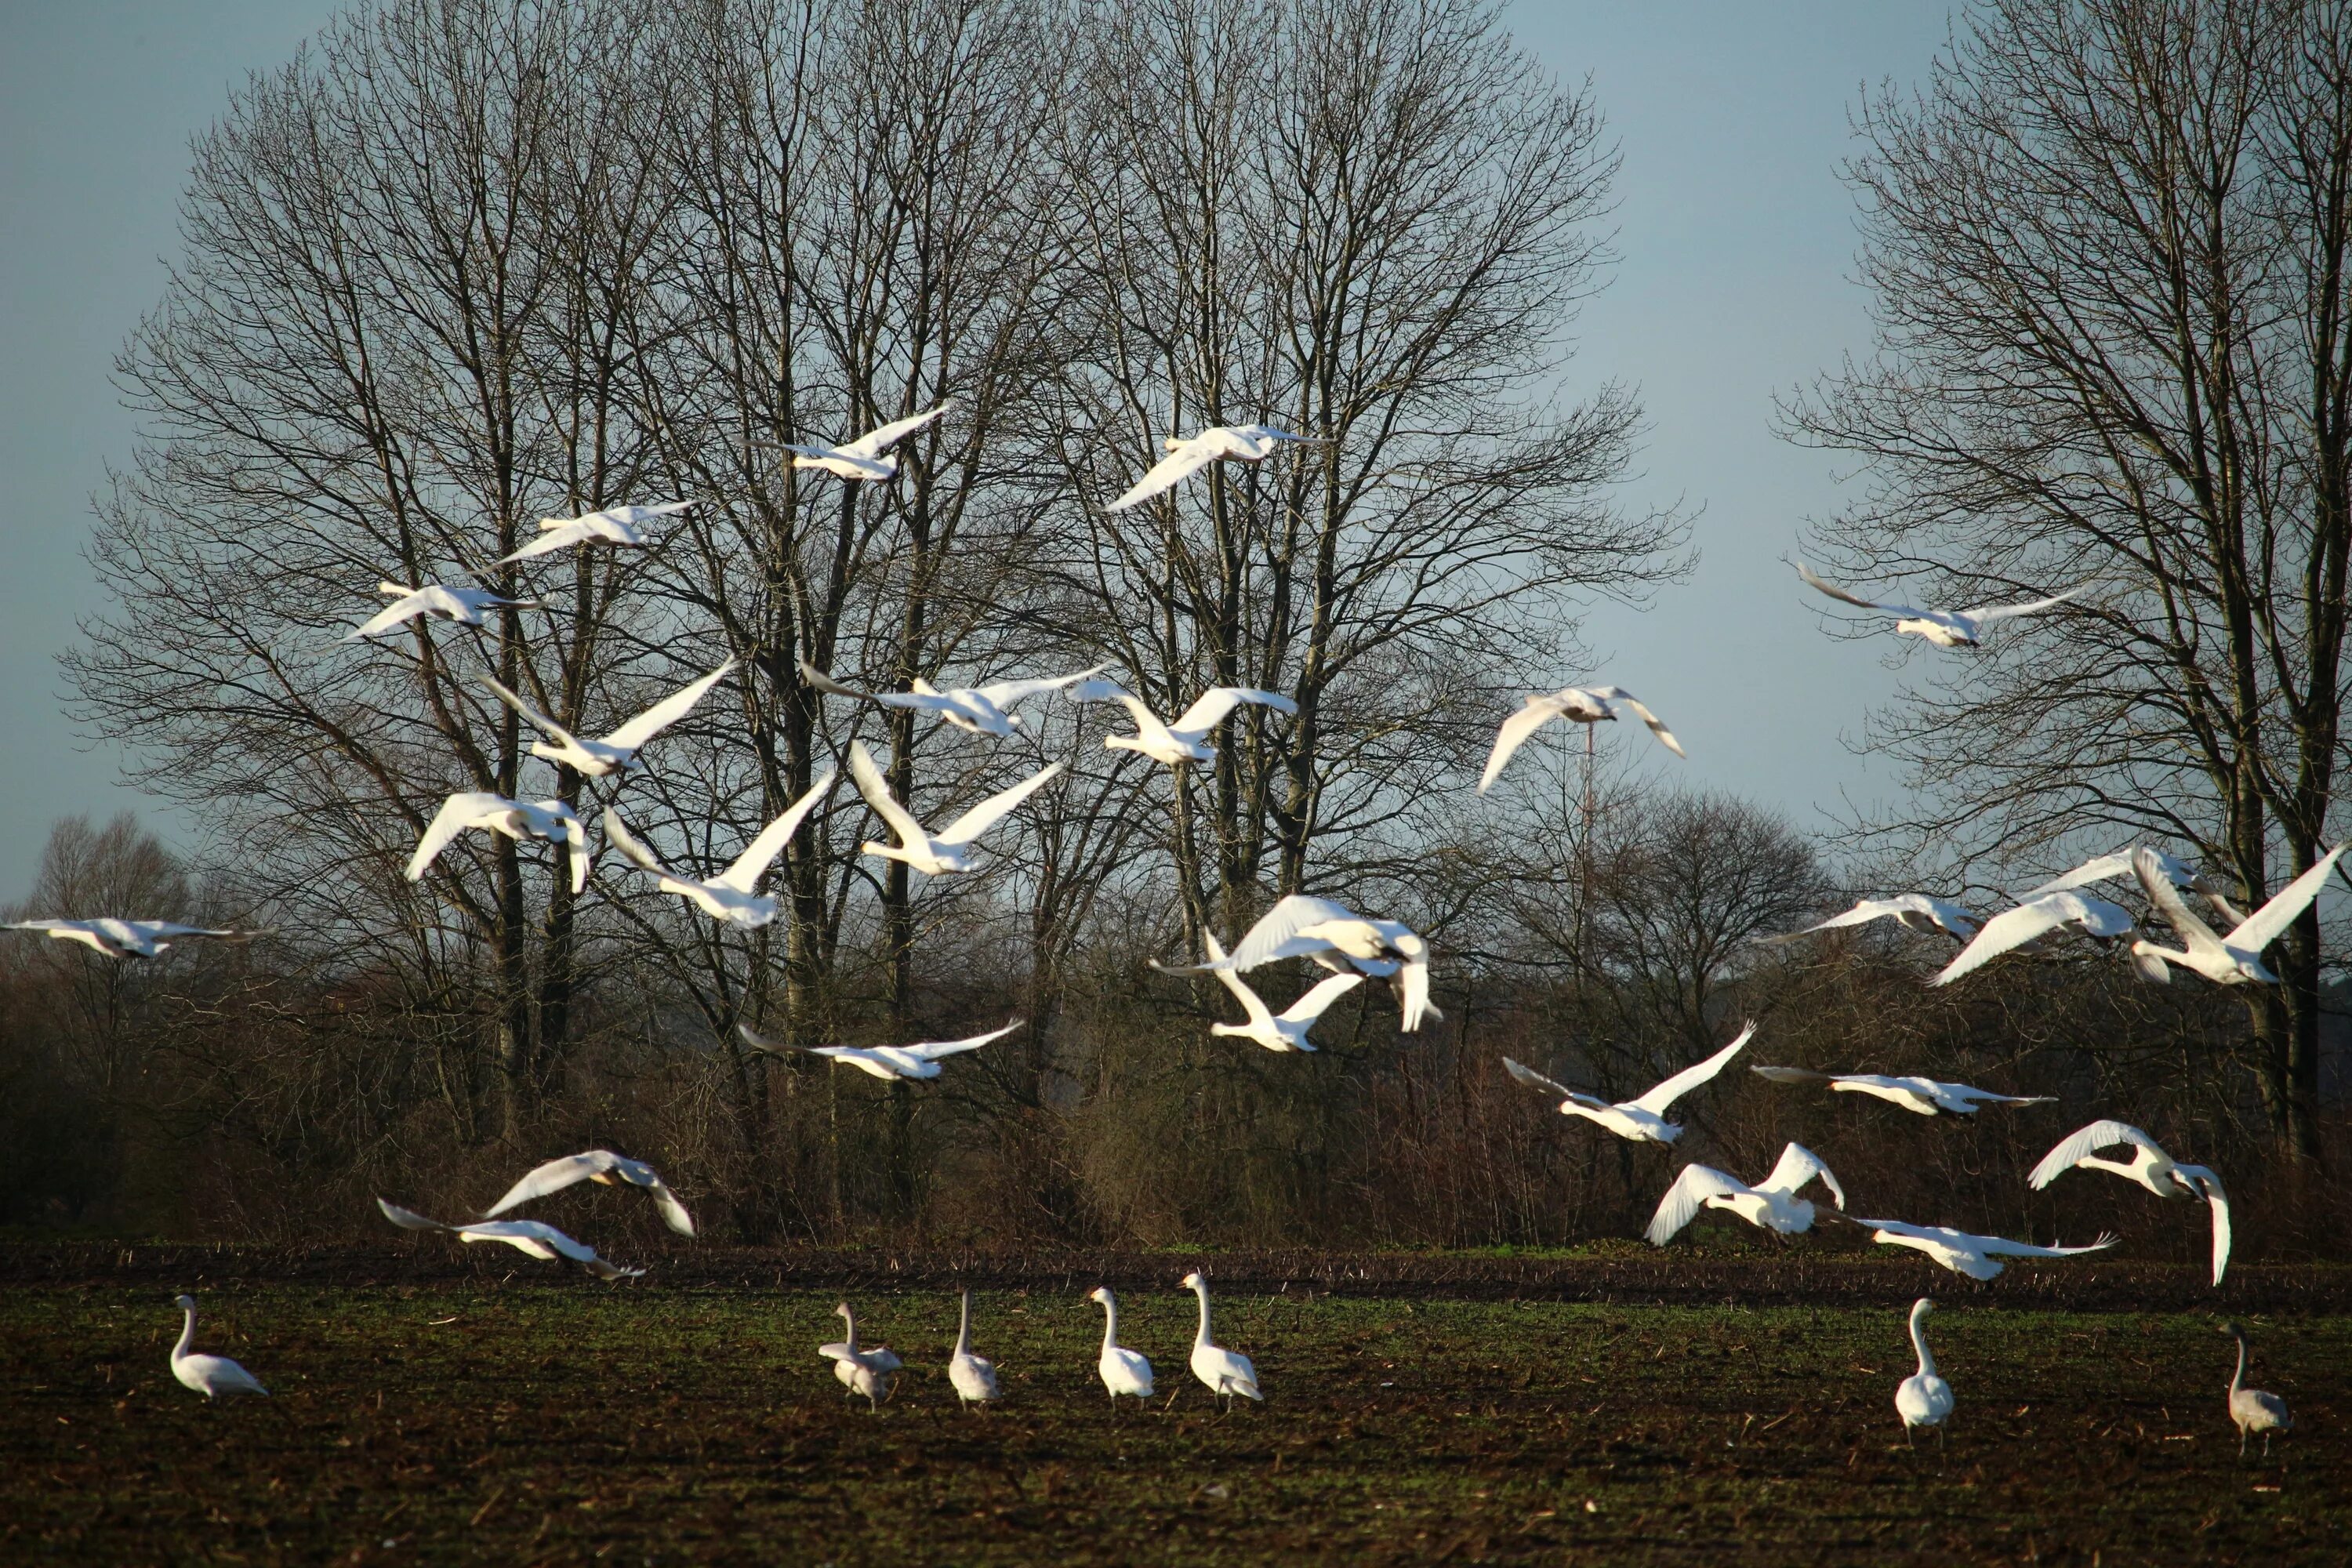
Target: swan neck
1201 1290
850 1336
1919 1343
188 1335
963 1328
1111 1323
2237 1378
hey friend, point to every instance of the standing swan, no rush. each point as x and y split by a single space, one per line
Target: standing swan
214 1375
972 1377
2251 1408
1224 1371
1123 1371
861 1372
1924 1398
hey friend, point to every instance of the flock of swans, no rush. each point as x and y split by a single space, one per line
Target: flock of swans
1354 947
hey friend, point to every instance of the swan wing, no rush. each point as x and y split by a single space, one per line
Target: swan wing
1187 460
1792 1075
1534 1079
882 438
1656 1100
1796 1166
2001 1246
2007 612
457 814
1003 694
1264 941
1513 736
530 715
1685 1197
553 1177
1834 592
1209 709
408 1219
761 852
2218 1199
1632 704
2071 1149
871 784
932 1050
813 676
2264 926
617 834
563 535
1313 1004
988 812
667 711
2195 935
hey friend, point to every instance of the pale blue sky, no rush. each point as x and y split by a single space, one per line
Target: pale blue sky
1737 242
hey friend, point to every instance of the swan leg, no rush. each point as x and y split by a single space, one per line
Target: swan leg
1910 1435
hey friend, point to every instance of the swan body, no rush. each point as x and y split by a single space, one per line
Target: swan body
1340 939
1913 911
862 1371
2235 959
1642 1119
2033 919
864 457
1771 1204
1187 457
604 1168
1944 628
1963 1252
729 897
2150 1166
948 849
617 526
1924 1398
976 710
1123 1371
1186 738
972 1377
917 1061
550 819
214 1375
431 602
531 1237
617 751
2253 1409
1921 1096
1578 704
1225 1372
1283 1031
125 938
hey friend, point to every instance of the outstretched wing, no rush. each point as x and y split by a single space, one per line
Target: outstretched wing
457 814
531 716
986 815
2015 928
2071 1149
1311 1006
832 688
2001 1246
932 1050
880 439
2195 935
564 536
1166 474
761 852
617 834
1691 1077
871 784
1796 1166
1263 942
408 1219
2006 612
1005 693
1791 1075
1513 736
1624 698
667 711
1534 1079
2210 1183
552 1177
1685 1199
2264 925
1209 709
1834 592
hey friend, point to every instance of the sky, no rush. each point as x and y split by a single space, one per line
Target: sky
1737 239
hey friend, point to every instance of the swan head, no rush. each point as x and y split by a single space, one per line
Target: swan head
2230 1328
1194 1282
1099 1293
1921 1308
188 1303
842 1310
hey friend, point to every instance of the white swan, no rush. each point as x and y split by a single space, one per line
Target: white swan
863 459
617 526
618 750
1771 1203
2111 868
604 1168
1963 1252
549 819
1225 1372
2033 919
1913 911
1578 704
214 1375
1921 1096
1123 1371
463 605
2251 1408
529 1237
1283 1031
1924 1398
972 1377
1186 739
862 1372
1340 939
2149 1166
1642 1119
126 939
1944 628
2235 959
916 1061
948 849
730 896
1240 443
979 710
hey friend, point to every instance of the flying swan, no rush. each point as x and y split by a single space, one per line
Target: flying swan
604 1168
2233 960
1771 1203
2149 1166
526 1236
730 896
1240 443
1187 739
2114 867
917 1061
126 939
617 751
978 709
1921 1096
617 526
1338 939
1912 912
1642 1119
2037 917
863 457
463 605
1578 704
1283 1031
1944 628
948 849
549 819
1965 1253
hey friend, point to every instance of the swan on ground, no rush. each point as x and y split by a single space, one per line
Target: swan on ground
1187 457
1944 628
979 710
1964 1252
972 1377
605 1168
617 526
1923 1096
617 751
948 849
126 939
1283 1031
730 896
214 1375
549 819
883 1061
2150 1166
1226 1373
2033 919
529 1236
1913 911
463 605
864 1372
1643 1119
1578 704
2253 1409
1123 1371
1186 740
1924 1398
1340 939
2235 959
865 459
2114 867
1771 1203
